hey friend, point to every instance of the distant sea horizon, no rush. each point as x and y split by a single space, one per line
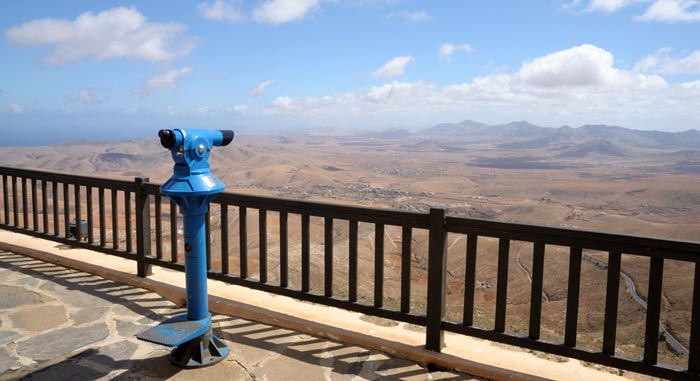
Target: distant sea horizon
24 135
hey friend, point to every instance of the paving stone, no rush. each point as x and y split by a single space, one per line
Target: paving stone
65 371
27 281
129 329
9 277
89 315
13 297
225 370
345 362
290 368
61 341
129 310
53 287
8 336
251 351
78 298
129 293
7 362
39 318
155 367
114 354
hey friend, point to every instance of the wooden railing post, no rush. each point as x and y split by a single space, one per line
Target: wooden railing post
143 228
437 266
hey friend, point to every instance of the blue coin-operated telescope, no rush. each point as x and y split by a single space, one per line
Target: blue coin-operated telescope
192 187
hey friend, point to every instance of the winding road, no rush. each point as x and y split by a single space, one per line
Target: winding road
632 290
545 295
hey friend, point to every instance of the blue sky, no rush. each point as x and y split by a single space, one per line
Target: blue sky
72 69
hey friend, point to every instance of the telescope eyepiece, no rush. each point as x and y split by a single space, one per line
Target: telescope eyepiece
167 138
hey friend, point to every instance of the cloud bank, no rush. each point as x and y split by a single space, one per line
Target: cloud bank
580 82
115 33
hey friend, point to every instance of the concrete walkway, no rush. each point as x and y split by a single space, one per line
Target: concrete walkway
62 324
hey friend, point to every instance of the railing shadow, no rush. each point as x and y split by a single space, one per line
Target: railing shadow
334 357
258 351
110 291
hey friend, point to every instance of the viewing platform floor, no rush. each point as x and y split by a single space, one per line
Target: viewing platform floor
63 324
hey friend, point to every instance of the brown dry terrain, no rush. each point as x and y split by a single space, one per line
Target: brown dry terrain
594 178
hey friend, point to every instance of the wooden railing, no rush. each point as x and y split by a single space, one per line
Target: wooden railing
54 201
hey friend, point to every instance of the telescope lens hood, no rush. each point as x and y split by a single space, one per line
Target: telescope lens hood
228 137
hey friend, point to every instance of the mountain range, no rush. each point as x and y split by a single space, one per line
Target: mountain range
525 135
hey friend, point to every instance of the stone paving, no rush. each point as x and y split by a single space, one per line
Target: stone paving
62 324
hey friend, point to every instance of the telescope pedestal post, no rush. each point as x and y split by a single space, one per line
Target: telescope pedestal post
192 187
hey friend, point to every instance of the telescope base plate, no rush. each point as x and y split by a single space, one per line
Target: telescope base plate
176 331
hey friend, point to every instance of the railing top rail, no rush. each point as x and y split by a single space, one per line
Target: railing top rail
585 239
124 185
318 209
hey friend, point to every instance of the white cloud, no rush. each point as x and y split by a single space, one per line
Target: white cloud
694 85
170 110
658 10
394 68
374 3
663 62
605 6
571 5
673 11
16 108
584 65
239 109
258 91
411 17
283 102
609 6
283 11
164 81
446 50
204 110
221 10
87 96
115 33
651 62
